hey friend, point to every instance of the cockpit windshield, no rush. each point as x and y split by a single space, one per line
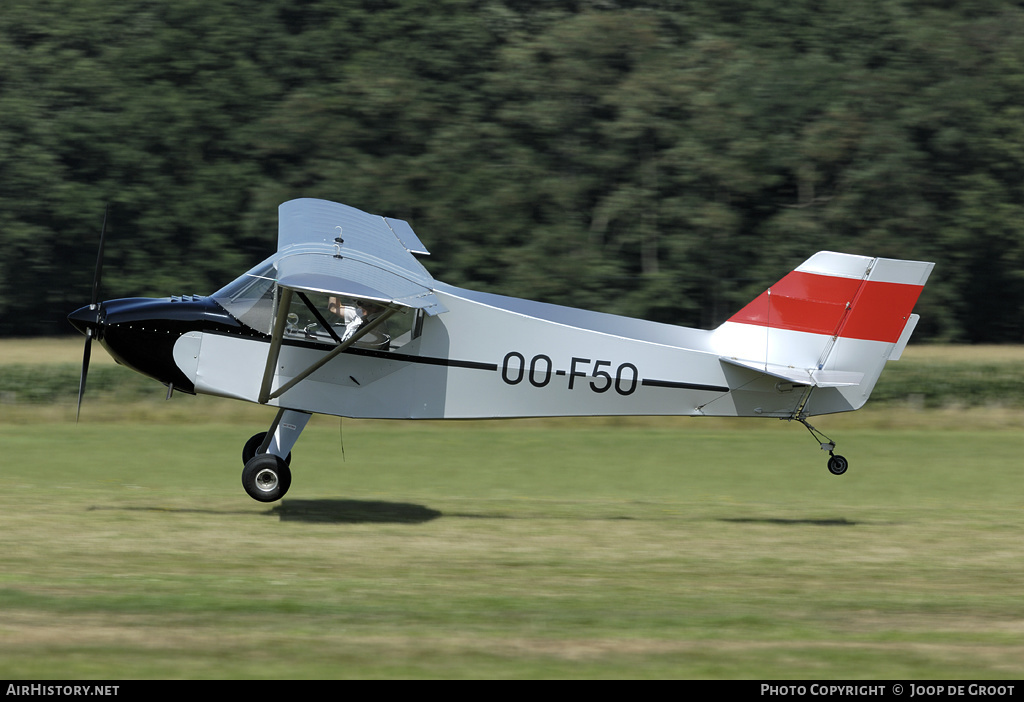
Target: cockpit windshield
250 298
315 317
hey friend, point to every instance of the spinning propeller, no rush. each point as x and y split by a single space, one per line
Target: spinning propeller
90 319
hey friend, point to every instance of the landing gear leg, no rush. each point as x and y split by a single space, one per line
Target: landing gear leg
252 447
837 465
267 476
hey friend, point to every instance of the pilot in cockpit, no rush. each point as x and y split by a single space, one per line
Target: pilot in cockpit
354 313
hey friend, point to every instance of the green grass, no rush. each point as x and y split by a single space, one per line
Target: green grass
511 550
614 548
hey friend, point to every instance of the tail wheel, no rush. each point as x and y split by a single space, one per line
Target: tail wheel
266 477
837 465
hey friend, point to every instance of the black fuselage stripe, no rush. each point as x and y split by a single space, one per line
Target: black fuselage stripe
493 367
424 360
682 386
476 365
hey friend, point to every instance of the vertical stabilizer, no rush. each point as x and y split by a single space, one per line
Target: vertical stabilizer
831 323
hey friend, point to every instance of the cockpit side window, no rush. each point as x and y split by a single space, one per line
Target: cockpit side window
315 317
332 319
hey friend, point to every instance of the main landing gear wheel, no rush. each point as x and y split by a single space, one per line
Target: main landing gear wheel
266 477
837 465
253 445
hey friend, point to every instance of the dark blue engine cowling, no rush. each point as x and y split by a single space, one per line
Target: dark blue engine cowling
140 332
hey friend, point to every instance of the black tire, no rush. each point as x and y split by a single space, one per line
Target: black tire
837 465
266 477
253 444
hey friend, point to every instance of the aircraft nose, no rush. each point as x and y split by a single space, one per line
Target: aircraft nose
85 318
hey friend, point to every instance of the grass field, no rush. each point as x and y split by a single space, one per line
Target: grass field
524 549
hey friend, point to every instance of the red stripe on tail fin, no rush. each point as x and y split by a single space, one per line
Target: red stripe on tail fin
818 304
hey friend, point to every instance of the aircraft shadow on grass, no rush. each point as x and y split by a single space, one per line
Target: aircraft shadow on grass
840 522
321 512
352 512
341 511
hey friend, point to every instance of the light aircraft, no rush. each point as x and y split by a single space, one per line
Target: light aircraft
344 320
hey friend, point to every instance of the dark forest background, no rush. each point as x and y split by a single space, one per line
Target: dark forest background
666 160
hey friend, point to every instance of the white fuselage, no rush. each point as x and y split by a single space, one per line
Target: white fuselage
494 356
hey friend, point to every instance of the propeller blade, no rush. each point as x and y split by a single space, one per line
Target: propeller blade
85 371
91 329
98 276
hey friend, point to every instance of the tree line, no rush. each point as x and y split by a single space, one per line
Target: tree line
661 159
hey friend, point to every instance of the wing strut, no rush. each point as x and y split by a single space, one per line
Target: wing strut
275 340
319 317
275 349
275 344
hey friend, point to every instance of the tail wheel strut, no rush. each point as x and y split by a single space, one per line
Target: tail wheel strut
837 465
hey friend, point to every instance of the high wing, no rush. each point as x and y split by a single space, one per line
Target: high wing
327 247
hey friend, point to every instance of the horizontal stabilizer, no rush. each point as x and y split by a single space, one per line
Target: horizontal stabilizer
800 376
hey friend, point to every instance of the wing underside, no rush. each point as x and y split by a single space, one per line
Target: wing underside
318 272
